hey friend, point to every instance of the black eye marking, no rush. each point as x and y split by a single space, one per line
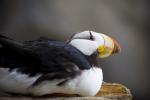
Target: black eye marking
91 36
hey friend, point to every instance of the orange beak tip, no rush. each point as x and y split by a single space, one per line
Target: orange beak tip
117 48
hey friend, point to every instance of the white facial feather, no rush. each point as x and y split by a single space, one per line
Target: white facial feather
87 47
83 43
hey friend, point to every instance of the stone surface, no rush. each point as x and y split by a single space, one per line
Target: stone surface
109 91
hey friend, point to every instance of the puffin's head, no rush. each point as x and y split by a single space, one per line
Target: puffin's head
89 42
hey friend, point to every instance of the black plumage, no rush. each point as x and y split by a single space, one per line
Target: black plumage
42 56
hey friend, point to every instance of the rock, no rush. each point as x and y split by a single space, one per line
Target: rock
109 91
114 91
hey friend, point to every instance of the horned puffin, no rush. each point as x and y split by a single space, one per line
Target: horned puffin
43 66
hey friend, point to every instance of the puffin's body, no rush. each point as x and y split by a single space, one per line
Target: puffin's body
43 67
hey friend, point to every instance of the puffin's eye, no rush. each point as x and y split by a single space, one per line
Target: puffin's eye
91 36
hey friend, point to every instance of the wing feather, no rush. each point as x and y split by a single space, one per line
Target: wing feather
40 56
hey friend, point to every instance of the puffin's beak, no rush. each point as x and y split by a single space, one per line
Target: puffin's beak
111 47
117 48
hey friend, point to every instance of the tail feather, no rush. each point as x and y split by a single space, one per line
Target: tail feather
4 37
10 44
5 41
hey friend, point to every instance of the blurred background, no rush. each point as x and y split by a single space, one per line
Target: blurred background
125 20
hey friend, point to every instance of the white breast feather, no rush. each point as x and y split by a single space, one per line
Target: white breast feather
86 84
14 81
